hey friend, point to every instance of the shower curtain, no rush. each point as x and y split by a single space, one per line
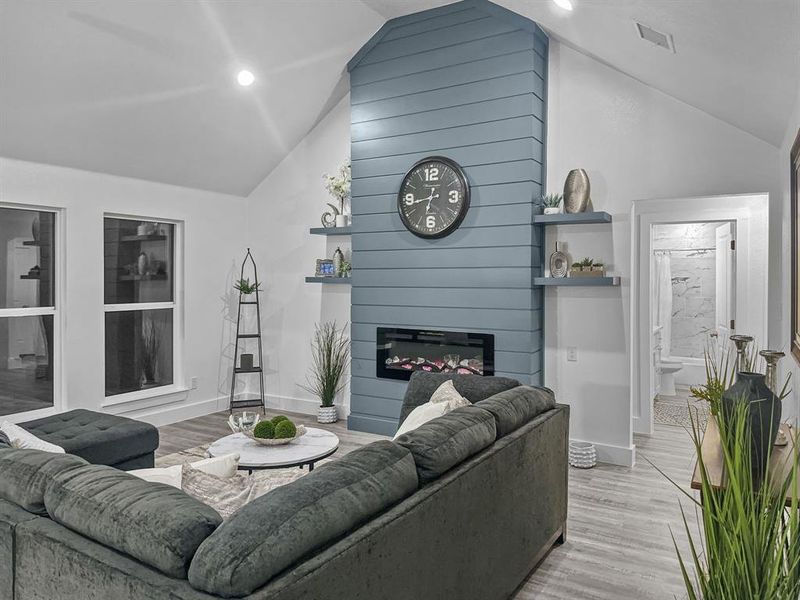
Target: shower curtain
662 299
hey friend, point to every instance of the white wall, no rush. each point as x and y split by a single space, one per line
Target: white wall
635 143
214 239
280 212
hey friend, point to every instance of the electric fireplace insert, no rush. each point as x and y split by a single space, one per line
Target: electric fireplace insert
400 352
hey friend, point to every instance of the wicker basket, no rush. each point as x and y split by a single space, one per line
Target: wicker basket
301 431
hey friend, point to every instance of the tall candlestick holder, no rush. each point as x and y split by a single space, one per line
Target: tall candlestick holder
772 357
741 342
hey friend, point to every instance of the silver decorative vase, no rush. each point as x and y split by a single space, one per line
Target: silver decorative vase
576 191
558 262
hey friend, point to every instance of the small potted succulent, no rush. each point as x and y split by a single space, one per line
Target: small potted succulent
551 203
246 288
330 356
587 268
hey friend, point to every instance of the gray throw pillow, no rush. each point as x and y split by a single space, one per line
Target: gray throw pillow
442 443
154 523
4 441
288 524
517 406
25 474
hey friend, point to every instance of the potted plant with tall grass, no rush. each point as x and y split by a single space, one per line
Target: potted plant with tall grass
748 547
330 356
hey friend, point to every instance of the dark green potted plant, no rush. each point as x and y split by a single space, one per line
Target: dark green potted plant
330 356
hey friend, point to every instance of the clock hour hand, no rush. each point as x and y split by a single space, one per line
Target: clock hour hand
430 199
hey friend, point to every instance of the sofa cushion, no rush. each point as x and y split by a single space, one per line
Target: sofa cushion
444 442
99 438
152 522
25 474
290 523
474 388
515 407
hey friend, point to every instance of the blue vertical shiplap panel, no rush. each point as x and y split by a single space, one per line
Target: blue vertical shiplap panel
476 92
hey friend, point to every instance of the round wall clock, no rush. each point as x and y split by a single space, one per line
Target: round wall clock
433 197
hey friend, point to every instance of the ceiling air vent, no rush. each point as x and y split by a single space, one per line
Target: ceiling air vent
662 40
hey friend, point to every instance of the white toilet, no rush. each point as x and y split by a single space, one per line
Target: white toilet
669 366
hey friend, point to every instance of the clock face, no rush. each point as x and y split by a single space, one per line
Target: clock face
433 198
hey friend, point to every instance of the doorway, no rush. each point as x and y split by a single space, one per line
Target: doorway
699 274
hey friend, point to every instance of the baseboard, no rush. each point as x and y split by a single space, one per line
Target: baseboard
166 415
299 405
614 455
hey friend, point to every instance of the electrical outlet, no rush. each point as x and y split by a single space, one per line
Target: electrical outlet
194 383
572 354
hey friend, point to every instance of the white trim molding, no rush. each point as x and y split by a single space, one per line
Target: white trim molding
614 455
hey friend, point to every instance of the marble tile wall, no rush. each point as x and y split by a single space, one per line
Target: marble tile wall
693 284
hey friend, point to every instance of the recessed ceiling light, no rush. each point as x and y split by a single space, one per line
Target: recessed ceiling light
565 4
245 78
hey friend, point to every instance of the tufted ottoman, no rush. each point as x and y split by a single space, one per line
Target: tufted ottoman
99 438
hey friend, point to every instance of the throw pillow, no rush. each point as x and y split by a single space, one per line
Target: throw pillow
4 441
25 440
443 400
221 466
228 495
447 393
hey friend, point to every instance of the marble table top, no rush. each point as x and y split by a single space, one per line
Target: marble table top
315 444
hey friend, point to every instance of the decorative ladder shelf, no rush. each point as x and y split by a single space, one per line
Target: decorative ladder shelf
250 402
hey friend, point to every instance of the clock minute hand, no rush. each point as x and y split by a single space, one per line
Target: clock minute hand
430 199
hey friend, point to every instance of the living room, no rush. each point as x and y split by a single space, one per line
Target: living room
574 223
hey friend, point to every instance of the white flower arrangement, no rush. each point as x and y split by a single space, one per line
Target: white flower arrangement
338 186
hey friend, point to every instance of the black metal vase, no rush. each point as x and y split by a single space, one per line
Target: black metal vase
764 408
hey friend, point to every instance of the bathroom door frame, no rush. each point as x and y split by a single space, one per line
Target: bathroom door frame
750 216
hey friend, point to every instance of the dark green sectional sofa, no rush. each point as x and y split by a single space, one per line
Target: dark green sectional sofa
463 507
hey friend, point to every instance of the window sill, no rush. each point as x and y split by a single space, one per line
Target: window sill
166 390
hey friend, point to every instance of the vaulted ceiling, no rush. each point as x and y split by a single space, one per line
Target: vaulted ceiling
147 89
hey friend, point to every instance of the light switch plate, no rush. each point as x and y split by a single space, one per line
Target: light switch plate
572 354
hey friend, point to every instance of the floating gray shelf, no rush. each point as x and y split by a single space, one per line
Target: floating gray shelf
576 281
344 280
573 219
331 230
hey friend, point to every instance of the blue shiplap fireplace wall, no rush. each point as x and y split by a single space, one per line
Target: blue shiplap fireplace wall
467 81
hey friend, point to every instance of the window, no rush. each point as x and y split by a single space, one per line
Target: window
140 306
29 314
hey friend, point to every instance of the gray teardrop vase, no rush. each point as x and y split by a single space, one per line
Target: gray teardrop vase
576 191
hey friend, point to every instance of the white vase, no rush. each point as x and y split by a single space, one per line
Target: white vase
341 220
582 455
552 210
327 414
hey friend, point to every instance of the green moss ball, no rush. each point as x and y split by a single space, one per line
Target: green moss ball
277 419
264 430
285 429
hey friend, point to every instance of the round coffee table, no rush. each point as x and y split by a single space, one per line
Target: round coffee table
315 445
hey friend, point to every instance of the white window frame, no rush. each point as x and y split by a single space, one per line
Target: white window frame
57 311
178 384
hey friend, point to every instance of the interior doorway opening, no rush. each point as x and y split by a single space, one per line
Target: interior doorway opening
699 274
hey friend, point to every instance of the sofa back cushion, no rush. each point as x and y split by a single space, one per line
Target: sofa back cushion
515 407
289 523
474 388
441 444
25 474
153 522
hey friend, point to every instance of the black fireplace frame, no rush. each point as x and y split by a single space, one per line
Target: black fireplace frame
448 338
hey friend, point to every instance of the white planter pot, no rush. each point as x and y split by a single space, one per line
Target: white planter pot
327 414
552 210
341 220
582 455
